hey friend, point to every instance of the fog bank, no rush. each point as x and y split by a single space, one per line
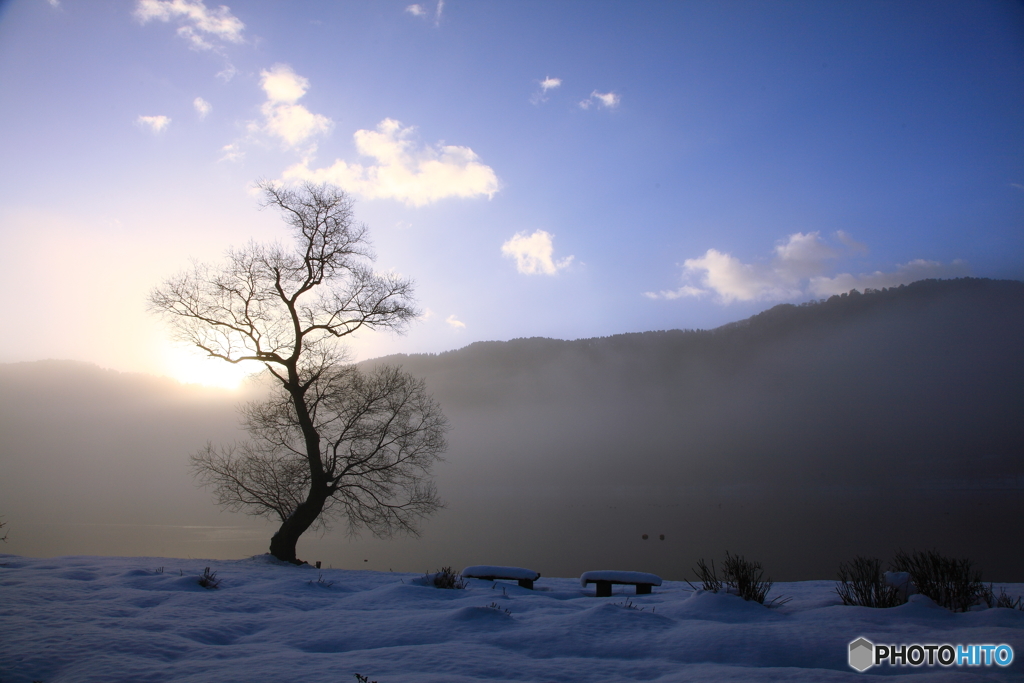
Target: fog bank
799 437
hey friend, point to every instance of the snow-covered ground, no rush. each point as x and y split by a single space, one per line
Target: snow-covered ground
148 619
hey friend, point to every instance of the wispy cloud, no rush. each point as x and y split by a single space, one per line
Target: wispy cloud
547 84
684 291
797 269
418 10
202 107
410 173
197 22
550 83
918 269
291 123
607 100
232 152
853 245
455 323
227 73
534 253
155 124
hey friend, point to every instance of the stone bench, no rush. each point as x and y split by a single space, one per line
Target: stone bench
605 579
525 577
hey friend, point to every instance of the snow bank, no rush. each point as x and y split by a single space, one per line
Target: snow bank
103 619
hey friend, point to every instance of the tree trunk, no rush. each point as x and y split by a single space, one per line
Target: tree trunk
282 544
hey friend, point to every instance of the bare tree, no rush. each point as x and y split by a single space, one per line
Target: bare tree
380 433
333 440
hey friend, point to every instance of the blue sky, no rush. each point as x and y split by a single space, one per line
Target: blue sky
568 169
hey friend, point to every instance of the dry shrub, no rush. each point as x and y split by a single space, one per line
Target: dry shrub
861 583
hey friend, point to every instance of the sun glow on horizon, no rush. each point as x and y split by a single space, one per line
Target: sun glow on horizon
188 367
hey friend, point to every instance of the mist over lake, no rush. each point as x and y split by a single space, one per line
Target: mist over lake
799 437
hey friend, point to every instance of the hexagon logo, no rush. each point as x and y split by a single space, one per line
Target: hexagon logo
862 654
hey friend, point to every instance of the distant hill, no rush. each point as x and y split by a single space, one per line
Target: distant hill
902 407
925 375
799 437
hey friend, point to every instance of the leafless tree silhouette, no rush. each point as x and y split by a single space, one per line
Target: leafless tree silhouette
333 440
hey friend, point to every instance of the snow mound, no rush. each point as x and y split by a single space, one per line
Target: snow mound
101 619
485 614
723 607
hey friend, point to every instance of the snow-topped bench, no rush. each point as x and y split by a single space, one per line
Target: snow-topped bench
525 577
605 579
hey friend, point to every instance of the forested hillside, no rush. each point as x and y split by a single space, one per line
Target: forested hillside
883 418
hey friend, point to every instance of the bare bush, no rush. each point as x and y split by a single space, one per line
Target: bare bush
1003 601
744 578
209 579
447 578
861 583
739 577
709 580
951 583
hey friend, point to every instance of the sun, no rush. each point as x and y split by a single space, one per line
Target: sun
188 367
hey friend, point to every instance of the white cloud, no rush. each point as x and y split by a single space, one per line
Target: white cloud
608 100
734 280
533 253
157 124
685 290
283 118
418 10
202 107
550 83
197 21
801 256
227 73
283 85
796 270
413 174
232 152
454 322
293 123
904 274
55 4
